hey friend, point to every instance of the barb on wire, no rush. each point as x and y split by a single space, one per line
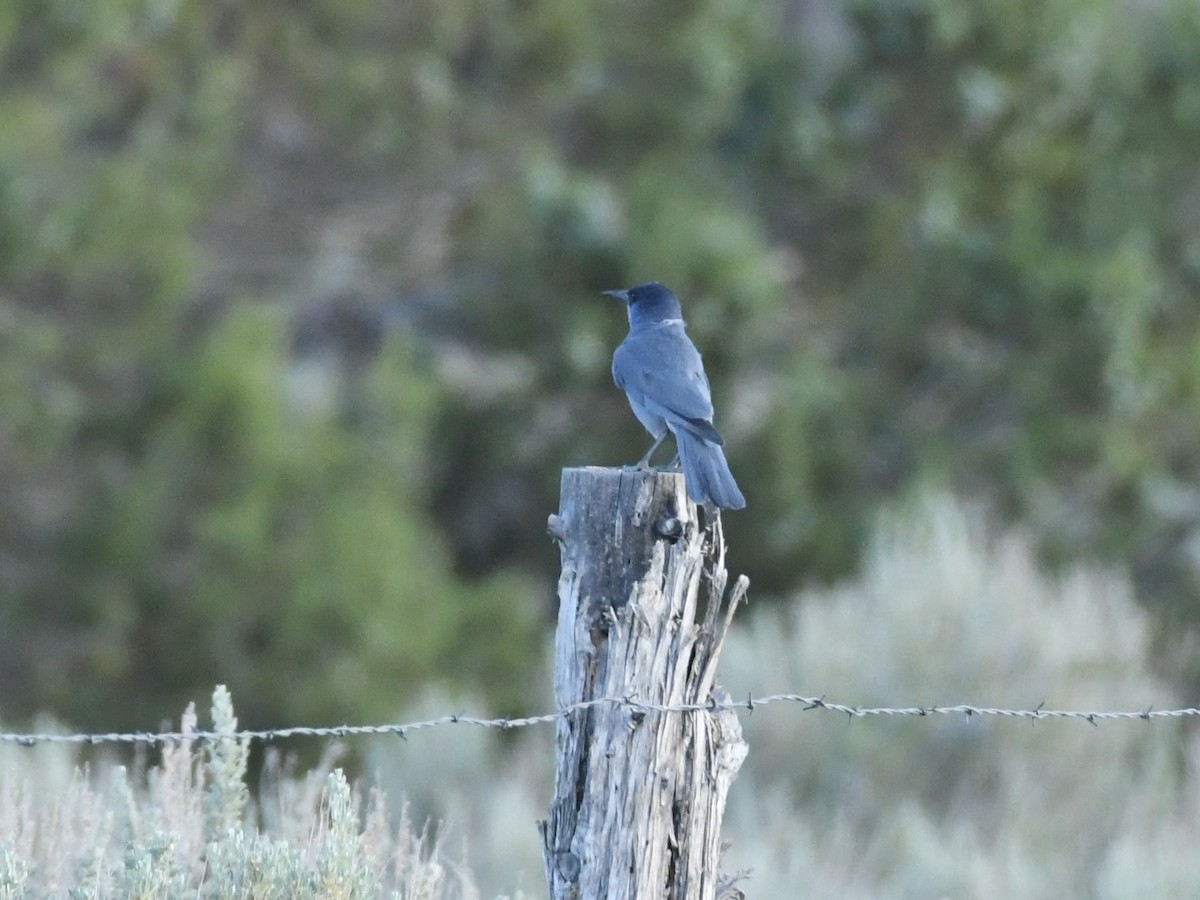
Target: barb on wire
750 704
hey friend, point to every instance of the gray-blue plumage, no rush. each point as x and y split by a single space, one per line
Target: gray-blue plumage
661 372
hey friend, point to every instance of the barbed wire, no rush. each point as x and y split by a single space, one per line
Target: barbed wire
634 705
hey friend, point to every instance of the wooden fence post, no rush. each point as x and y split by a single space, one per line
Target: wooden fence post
639 793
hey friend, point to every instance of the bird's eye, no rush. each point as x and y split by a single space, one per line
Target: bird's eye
633 295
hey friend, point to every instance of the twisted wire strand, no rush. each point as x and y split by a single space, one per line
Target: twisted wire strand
632 704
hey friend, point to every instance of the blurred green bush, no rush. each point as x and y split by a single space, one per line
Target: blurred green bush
920 242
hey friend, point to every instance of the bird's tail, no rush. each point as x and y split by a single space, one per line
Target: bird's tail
706 472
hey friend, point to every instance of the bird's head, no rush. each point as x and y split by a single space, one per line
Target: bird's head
650 303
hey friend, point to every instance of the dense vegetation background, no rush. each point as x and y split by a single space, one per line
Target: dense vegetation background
299 313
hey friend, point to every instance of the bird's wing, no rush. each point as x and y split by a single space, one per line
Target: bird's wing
662 367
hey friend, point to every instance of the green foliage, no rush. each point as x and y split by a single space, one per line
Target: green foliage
225 770
919 243
254 535
160 833
180 506
946 611
1009 278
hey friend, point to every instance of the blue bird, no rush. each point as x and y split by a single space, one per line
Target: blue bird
661 372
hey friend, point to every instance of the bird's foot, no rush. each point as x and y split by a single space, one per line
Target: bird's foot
644 462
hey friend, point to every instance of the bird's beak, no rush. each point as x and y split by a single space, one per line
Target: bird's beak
623 296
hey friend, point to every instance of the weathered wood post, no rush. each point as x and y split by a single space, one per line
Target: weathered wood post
639 792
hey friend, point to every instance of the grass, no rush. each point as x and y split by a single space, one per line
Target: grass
186 827
944 610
